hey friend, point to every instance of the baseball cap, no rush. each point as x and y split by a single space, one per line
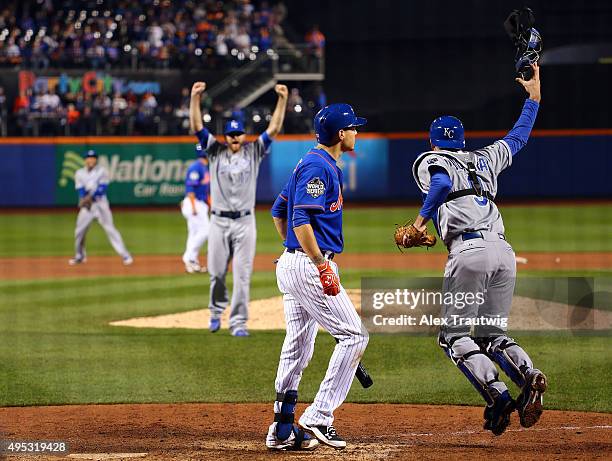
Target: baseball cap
234 126
90 153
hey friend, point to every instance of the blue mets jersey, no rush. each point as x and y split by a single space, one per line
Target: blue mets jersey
314 196
197 180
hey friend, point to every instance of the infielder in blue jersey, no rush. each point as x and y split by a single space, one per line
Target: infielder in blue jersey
233 168
91 183
308 216
460 189
195 210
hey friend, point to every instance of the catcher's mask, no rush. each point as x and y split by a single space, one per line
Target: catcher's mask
526 39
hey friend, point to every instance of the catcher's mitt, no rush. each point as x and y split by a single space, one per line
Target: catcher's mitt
407 236
86 202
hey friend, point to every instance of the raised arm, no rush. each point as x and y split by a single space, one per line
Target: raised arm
195 112
517 137
278 116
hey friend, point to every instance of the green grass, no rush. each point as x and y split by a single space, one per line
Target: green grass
534 228
57 347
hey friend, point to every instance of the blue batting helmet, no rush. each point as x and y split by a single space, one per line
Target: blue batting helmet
333 118
234 127
447 131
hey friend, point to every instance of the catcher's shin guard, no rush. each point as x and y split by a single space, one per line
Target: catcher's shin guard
474 364
511 358
285 417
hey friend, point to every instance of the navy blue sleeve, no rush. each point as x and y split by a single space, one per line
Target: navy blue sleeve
202 136
82 192
279 208
266 139
101 190
439 188
517 137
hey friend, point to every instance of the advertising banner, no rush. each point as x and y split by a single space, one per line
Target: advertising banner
139 173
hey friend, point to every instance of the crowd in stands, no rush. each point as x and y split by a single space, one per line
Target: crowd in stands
108 35
105 34
47 113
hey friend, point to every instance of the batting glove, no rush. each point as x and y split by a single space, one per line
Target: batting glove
329 279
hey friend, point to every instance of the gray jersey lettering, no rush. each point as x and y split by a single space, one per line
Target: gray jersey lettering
233 177
468 213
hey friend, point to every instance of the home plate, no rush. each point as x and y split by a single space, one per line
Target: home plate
102 456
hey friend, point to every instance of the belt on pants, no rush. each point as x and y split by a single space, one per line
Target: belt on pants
327 254
231 214
477 235
470 236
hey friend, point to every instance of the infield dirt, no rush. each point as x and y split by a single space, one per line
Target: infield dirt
373 432
98 266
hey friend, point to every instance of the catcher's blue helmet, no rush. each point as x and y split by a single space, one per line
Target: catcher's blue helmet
447 131
333 118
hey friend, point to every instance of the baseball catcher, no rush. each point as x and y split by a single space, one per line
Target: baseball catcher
460 189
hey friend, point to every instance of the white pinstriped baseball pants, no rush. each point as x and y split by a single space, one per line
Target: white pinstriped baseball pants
306 307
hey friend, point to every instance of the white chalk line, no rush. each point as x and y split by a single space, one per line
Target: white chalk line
533 429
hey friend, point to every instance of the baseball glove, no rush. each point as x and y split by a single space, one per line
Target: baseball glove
86 202
407 236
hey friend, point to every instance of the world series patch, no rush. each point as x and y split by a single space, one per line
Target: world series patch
315 188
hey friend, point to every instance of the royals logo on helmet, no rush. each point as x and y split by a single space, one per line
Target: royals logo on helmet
448 133
315 188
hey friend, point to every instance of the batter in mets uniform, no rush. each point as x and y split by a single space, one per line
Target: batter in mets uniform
91 183
233 168
459 189
309 280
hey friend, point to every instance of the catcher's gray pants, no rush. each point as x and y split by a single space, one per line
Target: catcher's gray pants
231 240
306 307
100 210
486 269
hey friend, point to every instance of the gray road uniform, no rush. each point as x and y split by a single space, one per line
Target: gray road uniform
90 181
481 261
232 237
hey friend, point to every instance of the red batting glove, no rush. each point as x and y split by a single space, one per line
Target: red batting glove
329 279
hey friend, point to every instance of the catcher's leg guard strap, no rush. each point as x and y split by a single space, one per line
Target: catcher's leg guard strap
285 418
475 365
511 358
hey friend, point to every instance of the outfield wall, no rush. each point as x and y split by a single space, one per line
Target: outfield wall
39 172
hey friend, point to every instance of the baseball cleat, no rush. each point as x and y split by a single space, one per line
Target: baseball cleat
75 261
497 416
214 325
128 261
298 440
240 333
192 267
529 402
326 435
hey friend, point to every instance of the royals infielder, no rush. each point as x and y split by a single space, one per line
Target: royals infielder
91 183
459 189
194 208
310 283
233 167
